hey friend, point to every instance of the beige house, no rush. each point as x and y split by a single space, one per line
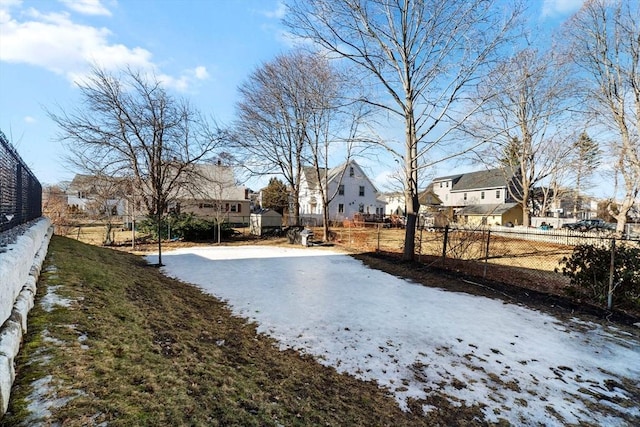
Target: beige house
493 214
212 193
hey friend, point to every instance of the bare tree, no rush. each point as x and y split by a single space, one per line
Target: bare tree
333 124
290 113
55 206
423 54
604 41
270 126
524 105
213 184
127 125
106 197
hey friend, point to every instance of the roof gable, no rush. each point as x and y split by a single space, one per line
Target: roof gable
334 174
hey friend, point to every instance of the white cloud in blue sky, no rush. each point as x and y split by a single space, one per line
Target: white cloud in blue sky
555 8
88 7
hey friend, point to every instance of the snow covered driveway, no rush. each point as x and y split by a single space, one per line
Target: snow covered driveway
526 366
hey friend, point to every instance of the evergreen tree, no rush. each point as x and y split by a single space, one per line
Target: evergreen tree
587 160
275 196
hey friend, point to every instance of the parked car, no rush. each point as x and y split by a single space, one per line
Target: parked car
590 225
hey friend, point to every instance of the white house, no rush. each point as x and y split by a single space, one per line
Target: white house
97 195
395 204
352 191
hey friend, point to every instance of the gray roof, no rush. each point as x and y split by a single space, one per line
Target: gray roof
490 209
211 182
484 179
492 178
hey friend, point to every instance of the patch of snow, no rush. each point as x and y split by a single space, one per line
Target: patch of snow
51 300
524 365
42 399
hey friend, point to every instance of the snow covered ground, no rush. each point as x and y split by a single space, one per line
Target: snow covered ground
525 366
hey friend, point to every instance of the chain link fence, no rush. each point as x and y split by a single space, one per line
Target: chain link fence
20 190
526 257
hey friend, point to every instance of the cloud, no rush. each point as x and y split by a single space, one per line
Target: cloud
560 7
201 73
278 13
29 119
55 42
87 7
186 80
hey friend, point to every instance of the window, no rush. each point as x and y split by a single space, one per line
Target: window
497 194
482 195
341 189
351 171
340 208
233 207
361 191
239 207
361 208
465 196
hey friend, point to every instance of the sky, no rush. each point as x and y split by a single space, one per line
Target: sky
526 366
201 49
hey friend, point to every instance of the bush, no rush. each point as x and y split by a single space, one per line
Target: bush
588 269
187 227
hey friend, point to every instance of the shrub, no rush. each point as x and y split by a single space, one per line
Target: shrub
588 270
187 227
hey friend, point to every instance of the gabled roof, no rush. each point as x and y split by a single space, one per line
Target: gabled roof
310 176
492 209
212 181
492 178
93 184
447 178
429 198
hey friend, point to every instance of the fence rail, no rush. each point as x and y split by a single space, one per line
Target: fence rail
20 190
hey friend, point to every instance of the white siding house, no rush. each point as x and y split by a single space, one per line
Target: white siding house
352 191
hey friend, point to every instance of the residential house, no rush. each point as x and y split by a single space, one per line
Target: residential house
395 204
431 213
479 197
97 195
212 193
352 191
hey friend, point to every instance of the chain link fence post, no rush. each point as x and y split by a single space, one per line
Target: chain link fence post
612 270
444 244
486 254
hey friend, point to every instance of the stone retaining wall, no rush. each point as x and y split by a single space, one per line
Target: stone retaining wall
20 265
